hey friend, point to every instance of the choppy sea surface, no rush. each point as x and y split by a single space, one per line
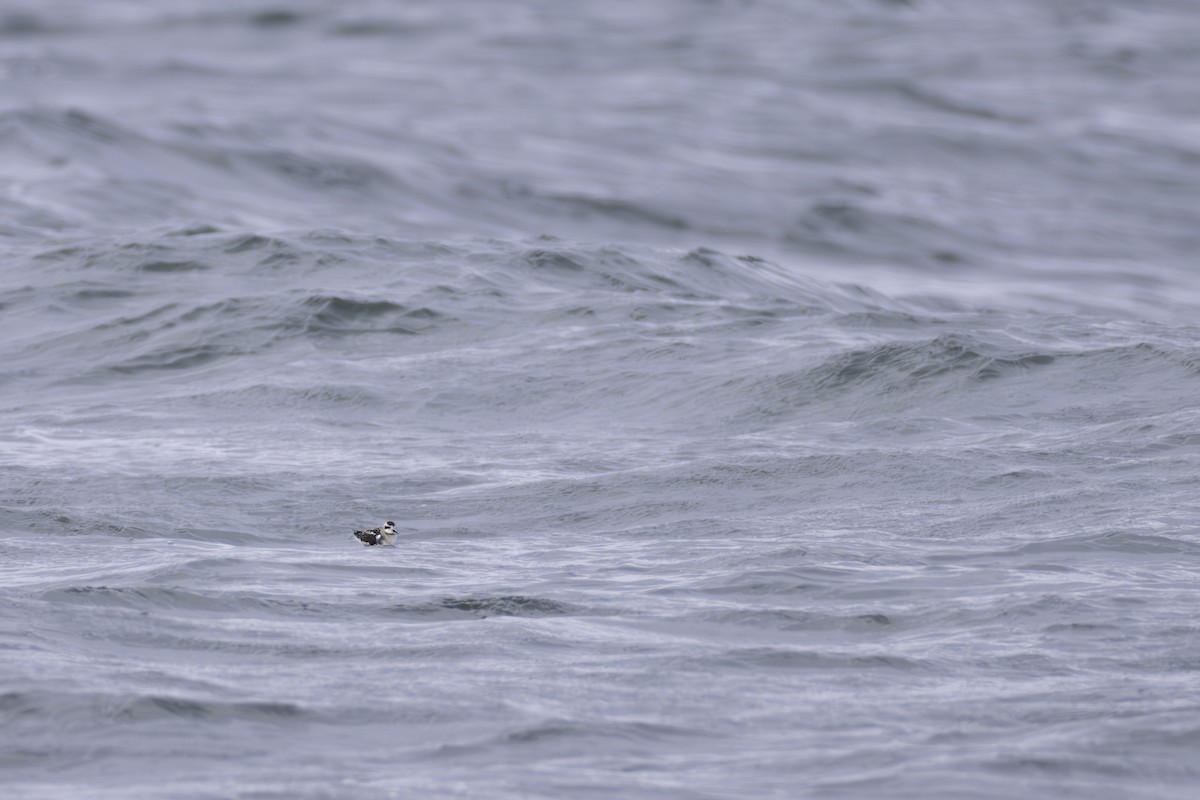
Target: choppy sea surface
777 398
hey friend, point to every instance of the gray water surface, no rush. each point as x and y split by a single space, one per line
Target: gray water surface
777 399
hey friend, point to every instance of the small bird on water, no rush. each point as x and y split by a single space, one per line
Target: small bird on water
385 535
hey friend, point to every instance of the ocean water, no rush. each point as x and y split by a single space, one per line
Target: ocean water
777 399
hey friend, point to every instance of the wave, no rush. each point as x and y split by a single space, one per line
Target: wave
128 178
342 315
888 376
796 658
486 332
956 374
85 709
178 303
178 599
1118 541
854 227
789 619
572 733
506 606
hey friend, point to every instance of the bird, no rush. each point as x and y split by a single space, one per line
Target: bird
385 535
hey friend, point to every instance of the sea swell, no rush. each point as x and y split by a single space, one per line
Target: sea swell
773 399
